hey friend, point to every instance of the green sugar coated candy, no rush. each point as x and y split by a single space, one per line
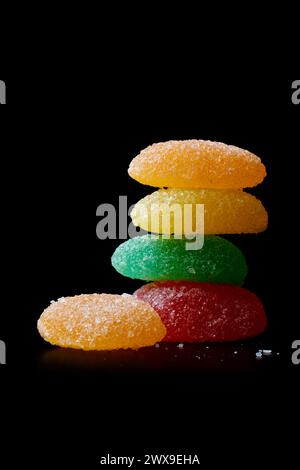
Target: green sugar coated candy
152 258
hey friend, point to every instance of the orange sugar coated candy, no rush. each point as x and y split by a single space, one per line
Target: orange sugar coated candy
197 164
225 211
101 322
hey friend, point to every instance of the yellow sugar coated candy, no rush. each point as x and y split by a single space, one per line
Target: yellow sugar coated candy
225 211
197 164
101 322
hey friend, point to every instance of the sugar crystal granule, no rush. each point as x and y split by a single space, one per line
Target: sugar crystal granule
101 322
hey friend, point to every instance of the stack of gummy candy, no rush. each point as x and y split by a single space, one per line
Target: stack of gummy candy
196 295
196 292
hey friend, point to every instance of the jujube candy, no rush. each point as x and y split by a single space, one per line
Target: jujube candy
225 211
101 322
151 257
197 164
200 312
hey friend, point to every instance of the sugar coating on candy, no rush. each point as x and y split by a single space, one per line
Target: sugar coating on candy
225 211
199 312
197 164
152 258
101 322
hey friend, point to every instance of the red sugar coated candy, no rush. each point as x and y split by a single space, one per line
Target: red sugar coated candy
200 312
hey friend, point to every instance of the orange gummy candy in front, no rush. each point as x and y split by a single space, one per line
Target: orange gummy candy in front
101 322
197 164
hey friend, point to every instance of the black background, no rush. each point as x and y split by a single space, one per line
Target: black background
69 140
